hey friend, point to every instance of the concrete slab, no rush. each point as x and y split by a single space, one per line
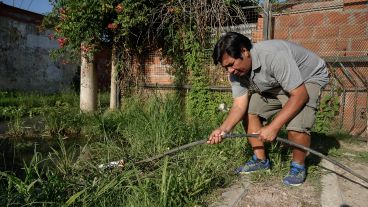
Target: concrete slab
331 194
340 188
233 194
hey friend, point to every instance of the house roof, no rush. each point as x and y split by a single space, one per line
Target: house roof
20 14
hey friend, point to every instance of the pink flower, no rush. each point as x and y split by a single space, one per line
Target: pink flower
51 36
112 26
61 41
64 62
62 10
63 17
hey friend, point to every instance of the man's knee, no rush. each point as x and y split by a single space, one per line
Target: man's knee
253 117
249 118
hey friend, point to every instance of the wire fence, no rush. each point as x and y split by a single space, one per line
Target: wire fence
336 30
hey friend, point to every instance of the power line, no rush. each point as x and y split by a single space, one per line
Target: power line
21 4
29 5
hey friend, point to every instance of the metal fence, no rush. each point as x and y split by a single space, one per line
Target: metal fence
336 30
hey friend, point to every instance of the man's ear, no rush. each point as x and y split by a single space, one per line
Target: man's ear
245 52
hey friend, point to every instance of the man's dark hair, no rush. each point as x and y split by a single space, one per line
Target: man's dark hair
232 44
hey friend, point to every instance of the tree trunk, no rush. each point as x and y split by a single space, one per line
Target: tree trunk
114 92
88 84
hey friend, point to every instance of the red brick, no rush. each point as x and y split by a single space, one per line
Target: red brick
334 46
342 44
326 53
308 5
281 33
311 45
353 31
338 45
257 36
359 45
159 79
302 33
338 18
326 32
260 23
313 19
360 17
288 20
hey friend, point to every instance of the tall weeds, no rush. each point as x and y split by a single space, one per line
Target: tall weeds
144 127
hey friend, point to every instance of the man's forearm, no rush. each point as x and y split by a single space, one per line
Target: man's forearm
236 113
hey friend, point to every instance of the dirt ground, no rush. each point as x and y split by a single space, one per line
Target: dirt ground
348 190
274 193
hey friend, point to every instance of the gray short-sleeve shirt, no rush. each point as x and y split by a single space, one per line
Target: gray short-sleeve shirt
278 67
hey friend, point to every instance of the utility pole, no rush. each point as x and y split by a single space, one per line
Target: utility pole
267 20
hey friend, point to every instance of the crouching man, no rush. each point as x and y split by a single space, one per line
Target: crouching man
271 77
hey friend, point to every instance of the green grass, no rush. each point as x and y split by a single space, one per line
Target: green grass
139 130
142 128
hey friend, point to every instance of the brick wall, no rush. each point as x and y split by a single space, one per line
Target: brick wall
157 69
332 28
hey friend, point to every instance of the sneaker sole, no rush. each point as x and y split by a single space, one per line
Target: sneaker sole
292 185
247 173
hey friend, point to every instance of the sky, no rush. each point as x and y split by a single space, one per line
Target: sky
37 6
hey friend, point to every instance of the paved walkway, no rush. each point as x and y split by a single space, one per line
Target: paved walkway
340 188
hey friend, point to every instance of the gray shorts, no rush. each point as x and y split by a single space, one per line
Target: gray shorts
266 105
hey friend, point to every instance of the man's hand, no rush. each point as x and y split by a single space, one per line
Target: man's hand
215 136
298 98
236 114
267 133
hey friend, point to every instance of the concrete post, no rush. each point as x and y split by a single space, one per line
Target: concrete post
114 97
88 84
267 20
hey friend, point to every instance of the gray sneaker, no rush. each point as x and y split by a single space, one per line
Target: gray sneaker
253 165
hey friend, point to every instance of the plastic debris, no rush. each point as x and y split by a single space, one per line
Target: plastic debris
112 165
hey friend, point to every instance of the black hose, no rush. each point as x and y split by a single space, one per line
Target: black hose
227 136
192 144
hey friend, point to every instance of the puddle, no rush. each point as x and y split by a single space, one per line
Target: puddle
15 152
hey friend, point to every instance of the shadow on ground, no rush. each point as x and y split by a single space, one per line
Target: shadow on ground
321 143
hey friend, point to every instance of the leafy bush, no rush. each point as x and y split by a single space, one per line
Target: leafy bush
329 109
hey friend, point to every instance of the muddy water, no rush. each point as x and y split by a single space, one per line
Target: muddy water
15 152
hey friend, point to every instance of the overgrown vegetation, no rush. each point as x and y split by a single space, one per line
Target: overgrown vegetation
144 126
68 174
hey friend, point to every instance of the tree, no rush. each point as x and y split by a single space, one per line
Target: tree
79 28
183 27
128 31
83 28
